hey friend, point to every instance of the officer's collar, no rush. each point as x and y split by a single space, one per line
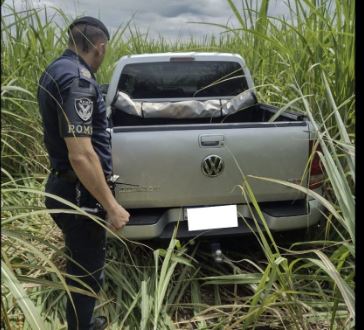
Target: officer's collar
70 53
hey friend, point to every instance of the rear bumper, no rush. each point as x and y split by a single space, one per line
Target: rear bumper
281 216
280 222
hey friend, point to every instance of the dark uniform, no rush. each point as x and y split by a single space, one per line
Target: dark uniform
71 104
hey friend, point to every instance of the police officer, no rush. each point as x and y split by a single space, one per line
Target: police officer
78 144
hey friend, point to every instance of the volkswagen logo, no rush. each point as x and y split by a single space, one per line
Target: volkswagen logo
212 165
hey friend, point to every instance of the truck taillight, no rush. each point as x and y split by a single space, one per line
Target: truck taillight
316 173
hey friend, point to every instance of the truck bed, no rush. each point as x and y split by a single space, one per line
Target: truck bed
160 161
258 113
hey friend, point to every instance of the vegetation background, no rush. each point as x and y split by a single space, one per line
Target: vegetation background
307 64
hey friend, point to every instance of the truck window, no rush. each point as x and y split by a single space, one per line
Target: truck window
211 79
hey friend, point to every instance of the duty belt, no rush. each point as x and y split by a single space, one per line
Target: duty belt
70 176
67 175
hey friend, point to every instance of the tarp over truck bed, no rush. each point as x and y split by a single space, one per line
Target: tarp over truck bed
184 109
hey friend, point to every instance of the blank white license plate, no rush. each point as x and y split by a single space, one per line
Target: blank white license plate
215 217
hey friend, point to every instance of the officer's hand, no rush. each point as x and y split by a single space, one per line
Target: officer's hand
117 217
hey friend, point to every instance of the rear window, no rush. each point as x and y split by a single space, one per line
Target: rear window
182 79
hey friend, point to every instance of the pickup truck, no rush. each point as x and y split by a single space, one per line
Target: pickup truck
184 127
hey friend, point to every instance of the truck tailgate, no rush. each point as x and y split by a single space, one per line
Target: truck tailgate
186 165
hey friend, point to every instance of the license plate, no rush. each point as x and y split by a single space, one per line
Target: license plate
215 217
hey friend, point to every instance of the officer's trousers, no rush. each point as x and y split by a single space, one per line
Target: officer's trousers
85 242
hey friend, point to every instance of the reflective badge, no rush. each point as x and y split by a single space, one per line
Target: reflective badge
84 107
85 72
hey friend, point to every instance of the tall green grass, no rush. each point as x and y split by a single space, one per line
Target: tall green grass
307 62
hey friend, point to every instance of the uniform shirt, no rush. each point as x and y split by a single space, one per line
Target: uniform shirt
71 104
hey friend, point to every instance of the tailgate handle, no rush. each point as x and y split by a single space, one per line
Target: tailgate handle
211 141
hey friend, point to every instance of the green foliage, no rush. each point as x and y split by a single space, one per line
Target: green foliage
307 63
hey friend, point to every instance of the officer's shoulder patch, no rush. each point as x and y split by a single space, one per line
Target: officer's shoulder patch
85 73
84 107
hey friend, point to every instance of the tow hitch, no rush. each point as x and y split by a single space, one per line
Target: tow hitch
216 252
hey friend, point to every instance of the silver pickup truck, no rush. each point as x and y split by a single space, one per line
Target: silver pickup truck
185 126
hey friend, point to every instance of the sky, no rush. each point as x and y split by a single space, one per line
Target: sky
168 18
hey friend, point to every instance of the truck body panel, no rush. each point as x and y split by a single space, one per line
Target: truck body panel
163 167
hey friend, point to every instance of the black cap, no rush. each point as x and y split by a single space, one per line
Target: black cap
90 21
